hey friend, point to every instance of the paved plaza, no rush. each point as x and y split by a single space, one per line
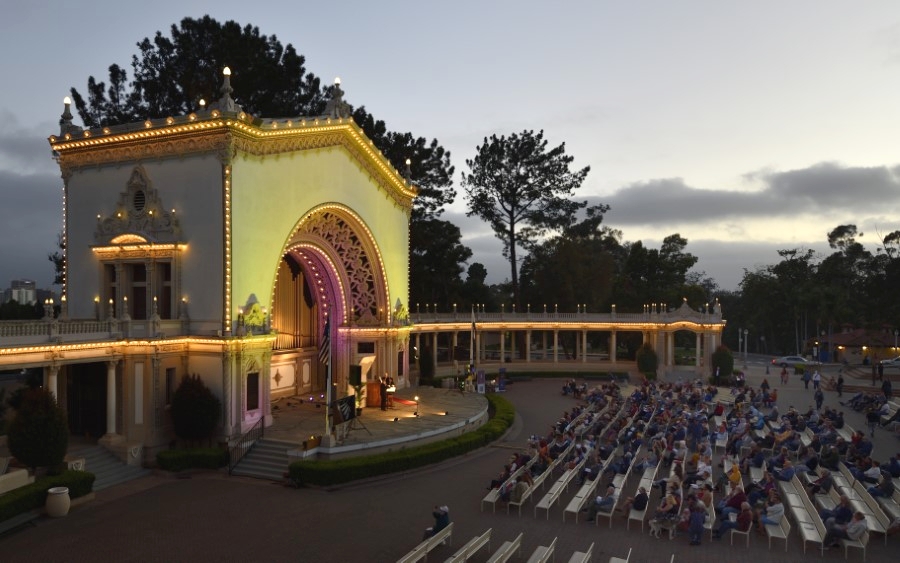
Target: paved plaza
212 517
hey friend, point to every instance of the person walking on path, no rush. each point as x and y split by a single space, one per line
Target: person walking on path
784 376
819 397
816 379
806 379
840 383
886 389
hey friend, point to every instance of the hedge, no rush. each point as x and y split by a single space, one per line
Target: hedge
34 496
334 472
195 458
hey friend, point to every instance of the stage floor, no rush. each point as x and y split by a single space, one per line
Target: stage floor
441 412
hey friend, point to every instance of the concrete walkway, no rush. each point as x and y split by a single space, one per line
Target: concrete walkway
215 518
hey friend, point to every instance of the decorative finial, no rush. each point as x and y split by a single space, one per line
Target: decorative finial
226 102
336 107
65 120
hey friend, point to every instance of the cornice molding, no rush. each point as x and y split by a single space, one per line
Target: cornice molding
226 138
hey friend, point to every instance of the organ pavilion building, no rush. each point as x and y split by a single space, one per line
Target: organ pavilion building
224 245
217 243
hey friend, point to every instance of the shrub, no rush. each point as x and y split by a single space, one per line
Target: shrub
646 357
195 458
33 496
426 366
39 433
333 472
195 410
722 359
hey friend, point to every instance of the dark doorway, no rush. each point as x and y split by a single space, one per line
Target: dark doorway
86 399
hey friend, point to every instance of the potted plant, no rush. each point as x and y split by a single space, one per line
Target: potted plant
360 397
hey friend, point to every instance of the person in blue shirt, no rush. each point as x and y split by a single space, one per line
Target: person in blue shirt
441 520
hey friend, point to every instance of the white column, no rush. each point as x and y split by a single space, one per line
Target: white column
527 346
584 346
670 349
111 397
52 372
455 344
612 347
434 350
555 346
697 353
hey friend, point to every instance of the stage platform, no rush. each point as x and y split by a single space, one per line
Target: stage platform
442 414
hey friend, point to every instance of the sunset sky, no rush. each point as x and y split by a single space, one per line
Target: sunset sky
745 127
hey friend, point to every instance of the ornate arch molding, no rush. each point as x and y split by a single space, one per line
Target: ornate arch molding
347 248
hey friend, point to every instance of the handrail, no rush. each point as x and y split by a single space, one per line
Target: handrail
245 443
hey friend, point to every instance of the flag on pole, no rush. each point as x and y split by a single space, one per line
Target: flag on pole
472 342
325 348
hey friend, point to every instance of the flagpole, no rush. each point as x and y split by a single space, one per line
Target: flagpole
328 398
472 344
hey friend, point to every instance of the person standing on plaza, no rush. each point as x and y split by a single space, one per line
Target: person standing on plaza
382 388
880 371
819 397
887 389
840 383
784 376
806 379
816 379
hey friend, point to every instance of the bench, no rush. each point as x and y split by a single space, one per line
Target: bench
471 548
582 556
507 550
543 553
420 552
494 494
781 531
584 493
550 498
861 543
876 519
757 473
526 496
812 529
619 559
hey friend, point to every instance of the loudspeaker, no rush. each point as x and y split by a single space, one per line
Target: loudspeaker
355 376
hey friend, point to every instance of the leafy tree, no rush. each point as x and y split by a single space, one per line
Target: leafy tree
172 73
648 275
12 310
577 267
647 360
195 410
521 187
476 291
436 281
39 434
723 360
58 258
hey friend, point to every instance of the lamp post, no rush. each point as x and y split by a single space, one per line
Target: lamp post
746 332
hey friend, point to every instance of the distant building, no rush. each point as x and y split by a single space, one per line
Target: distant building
21 291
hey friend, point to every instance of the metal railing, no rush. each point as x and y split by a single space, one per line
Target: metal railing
245 443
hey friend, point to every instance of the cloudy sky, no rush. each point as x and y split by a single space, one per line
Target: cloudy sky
746 127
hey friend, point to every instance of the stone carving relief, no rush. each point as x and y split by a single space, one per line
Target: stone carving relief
139 211
363 290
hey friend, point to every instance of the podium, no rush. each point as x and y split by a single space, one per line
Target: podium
373 394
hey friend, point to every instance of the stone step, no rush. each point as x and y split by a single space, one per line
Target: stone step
108 469
267 459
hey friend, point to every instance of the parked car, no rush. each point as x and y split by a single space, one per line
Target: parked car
891 363
786 361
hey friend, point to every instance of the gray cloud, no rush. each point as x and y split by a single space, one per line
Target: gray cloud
825 188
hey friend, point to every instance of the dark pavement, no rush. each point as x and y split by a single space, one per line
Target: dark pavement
212 517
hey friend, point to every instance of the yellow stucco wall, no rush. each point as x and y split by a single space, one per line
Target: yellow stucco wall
272 193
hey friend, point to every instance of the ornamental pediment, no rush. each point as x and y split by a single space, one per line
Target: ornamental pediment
139 214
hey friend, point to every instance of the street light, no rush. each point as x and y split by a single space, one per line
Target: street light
746 332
